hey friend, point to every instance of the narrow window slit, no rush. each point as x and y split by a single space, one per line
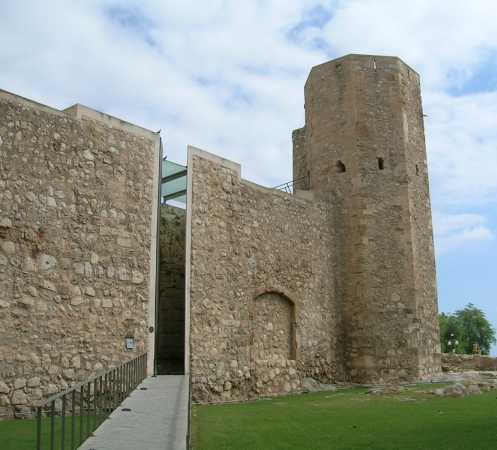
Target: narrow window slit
341 167
417 169
381 163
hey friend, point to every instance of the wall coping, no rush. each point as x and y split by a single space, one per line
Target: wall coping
78 111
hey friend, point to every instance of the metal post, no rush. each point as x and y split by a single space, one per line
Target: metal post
99 405
135 371
73 421
52 425
63 418
81 412
38 428
106 394
121 385
126 379
113 389
88 417
94 404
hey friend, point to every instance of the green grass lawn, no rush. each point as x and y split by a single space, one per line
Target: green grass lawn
350 420
21 434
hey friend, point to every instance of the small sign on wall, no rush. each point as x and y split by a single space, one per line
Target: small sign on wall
130 344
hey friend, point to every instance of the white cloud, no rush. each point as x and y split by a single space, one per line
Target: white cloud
454 230
462 145
224 75
434 37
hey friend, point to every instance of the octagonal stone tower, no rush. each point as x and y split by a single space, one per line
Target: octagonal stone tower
363 151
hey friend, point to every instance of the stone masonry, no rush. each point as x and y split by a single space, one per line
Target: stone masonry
262 286
77 192
336 282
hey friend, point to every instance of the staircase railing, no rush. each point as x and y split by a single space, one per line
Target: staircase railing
65 420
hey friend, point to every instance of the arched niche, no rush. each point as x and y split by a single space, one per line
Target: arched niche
273 327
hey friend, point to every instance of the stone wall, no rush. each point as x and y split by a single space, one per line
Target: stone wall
336 282
77 196
455 362
171 308
262 286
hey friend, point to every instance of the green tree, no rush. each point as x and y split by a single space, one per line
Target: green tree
451 333
468 327
476 329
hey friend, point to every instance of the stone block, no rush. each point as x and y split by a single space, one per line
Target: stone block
4 389
19 398
33 382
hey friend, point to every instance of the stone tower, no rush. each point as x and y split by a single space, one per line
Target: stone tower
362 150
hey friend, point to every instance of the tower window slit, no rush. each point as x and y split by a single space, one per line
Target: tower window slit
341 167
381 163
417 169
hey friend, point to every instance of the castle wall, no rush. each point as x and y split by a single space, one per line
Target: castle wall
363 138
78 192
261 286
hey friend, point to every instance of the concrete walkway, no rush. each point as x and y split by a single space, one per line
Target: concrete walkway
158 419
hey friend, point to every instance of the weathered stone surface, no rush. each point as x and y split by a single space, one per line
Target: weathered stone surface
107 303
19 383
137 277
386 389
90 291
22 412
33 382
69 374
46 262
76 362
455 362
267 301
457 390
312 385
5 222
19 398
50 389
62 209
8 247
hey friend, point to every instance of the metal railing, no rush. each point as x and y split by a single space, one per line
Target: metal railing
290 186
71 416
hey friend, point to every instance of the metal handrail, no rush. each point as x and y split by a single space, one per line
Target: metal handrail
93 399
290 186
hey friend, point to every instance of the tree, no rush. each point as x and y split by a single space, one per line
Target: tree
451 333
468 327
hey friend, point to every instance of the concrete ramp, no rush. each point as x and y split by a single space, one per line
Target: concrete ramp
157 420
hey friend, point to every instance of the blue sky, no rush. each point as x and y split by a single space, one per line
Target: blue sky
228 76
